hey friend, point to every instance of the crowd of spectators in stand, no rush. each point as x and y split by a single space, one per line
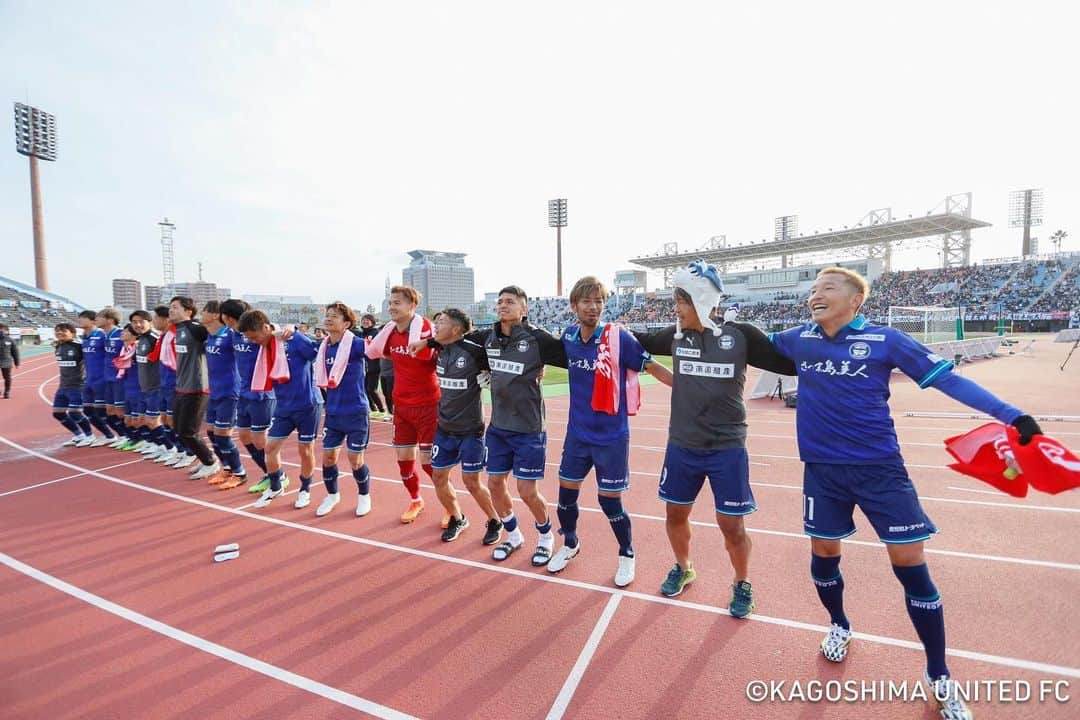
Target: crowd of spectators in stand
19 309
1018 287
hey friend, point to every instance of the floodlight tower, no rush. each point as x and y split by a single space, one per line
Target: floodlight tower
557 220
1025 210
35 137
168 268
785 228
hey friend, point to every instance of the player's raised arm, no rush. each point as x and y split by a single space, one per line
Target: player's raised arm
763 354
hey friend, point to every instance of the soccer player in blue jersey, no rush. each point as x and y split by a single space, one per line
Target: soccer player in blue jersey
175 452
134 402
224 394
347 413
596 440
851 456
68 401
93 349
254 409
108 320
296 407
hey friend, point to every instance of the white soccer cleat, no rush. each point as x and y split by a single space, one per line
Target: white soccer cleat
205 471
118 441
562 558
267 496
329 503
149 449
835 645
625 574
363 505
303 499
944 693
101 441
85 441
183 461
73 441
166 457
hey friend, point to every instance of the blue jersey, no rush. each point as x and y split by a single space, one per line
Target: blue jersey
246 353
114 343
585 423
349 397
221 365
131 377
843 416
93 347
299 393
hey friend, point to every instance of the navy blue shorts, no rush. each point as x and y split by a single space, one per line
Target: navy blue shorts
134 404
611 460
304 422
884 493
221 413
168 396
449 450
93 393
153 403
255 414
350 429
113 393
523 454
685 470
71 399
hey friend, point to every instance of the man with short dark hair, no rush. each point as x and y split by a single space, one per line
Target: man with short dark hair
93 348
68 401
9 357
368 331
192 386
108 319
460 435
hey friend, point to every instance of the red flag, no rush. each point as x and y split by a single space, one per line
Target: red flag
1048 465
985 454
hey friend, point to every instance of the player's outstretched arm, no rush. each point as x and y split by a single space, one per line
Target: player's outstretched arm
660 372
979 398
761 353
657 342
552 350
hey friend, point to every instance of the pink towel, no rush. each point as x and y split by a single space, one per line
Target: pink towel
341 362
606 388
165 350
123 361
271 366
377 347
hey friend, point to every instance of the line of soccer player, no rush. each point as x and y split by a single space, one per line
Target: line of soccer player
150 387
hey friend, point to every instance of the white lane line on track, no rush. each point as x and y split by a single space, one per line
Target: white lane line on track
566 694
1001 660
66 477
237 658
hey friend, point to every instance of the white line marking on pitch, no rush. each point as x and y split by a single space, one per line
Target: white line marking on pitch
68 477
237 658
578 671
547 578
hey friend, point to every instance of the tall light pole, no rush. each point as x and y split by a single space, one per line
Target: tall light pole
35 137
557 220
1026 211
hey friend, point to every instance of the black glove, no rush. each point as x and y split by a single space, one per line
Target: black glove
1027 427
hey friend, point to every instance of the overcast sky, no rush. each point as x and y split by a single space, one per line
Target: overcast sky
304 148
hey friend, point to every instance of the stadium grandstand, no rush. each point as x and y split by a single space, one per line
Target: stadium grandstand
770 280
31 313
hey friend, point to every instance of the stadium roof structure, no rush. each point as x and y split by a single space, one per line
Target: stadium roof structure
878 231
38 293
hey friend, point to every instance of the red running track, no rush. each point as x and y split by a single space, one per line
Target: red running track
114 608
